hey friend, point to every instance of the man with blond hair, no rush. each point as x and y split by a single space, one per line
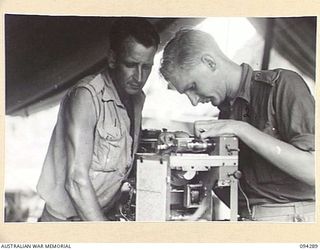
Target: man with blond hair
272 112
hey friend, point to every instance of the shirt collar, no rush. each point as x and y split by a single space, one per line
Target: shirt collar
245 83
110 93
243 91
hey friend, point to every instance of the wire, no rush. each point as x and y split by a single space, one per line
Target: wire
122 214
246 198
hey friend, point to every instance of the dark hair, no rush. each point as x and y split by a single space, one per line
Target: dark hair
136 27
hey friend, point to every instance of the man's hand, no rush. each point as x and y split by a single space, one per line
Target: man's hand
274 150
168 137
212 128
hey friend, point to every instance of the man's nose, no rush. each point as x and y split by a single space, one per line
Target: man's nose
194 99
138 74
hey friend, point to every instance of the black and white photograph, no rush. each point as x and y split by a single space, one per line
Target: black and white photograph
159 119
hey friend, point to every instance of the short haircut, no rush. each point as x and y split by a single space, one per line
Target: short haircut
184 50
136 27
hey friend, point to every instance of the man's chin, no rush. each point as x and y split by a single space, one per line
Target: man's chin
133 91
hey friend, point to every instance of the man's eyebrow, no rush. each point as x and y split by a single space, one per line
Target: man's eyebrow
129 60
133 61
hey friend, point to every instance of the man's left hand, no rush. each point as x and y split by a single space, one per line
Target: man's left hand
167 137
212 128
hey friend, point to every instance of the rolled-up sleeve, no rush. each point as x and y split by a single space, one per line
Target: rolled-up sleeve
295 111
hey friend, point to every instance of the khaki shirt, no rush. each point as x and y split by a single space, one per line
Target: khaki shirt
112 157
278 103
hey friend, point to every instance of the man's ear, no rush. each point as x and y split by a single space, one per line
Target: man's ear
209 61
112 59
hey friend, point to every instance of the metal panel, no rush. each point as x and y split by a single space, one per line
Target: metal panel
152 190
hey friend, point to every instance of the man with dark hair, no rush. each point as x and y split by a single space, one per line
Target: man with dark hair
272 112
96 135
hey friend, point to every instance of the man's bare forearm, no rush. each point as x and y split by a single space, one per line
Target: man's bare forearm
295 162
80 124
84 199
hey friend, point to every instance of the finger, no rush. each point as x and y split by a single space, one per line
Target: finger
197 129
168 138
206 134
201 129
202 126
199 132
164 137
203 135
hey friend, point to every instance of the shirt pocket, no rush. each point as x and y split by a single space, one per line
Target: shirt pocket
107 150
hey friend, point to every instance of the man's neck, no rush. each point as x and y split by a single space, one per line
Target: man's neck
233 81
124 97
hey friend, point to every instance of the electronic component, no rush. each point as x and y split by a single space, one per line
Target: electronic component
176 182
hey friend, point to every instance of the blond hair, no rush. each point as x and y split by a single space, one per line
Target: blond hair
185 50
